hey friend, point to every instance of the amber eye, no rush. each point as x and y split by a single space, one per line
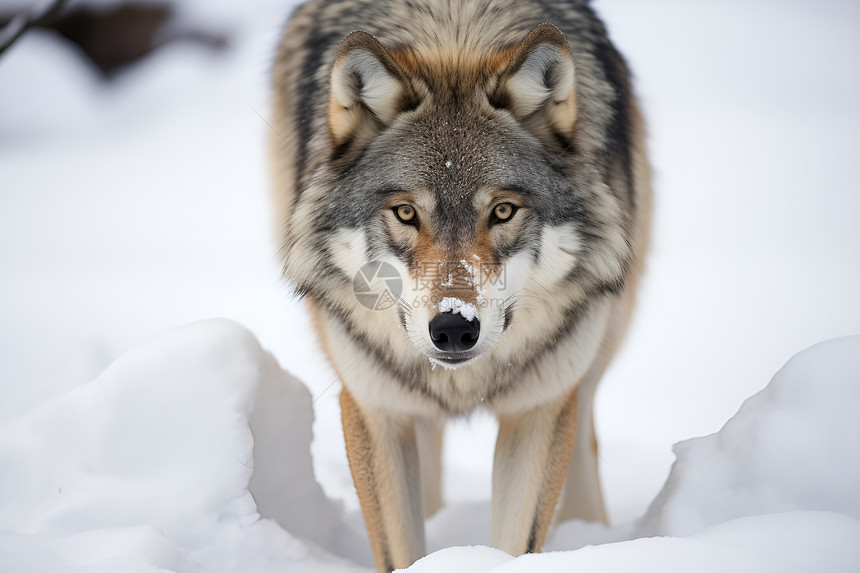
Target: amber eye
503 211
405 213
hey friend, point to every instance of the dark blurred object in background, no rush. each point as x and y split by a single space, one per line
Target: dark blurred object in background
112 37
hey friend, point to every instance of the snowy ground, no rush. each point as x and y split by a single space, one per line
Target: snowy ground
131 208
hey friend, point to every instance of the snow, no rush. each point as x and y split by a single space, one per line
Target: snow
787 448
791 542
183 454
153 461
192 453
474 277
132 207
453 304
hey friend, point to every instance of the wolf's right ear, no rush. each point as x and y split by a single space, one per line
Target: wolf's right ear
368 89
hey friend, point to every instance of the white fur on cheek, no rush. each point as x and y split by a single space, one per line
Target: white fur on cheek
559 246
517 273
348 249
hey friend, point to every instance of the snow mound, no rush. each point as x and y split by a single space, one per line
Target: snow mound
171 459
792 446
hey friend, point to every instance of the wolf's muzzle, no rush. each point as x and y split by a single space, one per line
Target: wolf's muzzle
452 333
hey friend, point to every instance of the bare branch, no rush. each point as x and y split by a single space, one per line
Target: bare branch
19 24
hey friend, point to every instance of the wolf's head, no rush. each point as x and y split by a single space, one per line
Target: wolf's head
465 198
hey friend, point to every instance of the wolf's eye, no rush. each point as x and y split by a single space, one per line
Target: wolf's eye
503 212
405 214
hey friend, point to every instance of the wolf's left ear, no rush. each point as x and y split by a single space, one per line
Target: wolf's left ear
537 86
368 89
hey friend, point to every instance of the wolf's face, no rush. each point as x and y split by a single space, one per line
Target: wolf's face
454 179
458 200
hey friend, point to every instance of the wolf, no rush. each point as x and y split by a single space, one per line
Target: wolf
489 156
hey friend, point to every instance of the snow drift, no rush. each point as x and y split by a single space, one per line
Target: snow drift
169 459
792 446
192 454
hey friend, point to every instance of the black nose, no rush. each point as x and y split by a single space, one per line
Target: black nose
452 333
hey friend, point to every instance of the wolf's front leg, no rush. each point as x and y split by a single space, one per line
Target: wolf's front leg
532 454
383 459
